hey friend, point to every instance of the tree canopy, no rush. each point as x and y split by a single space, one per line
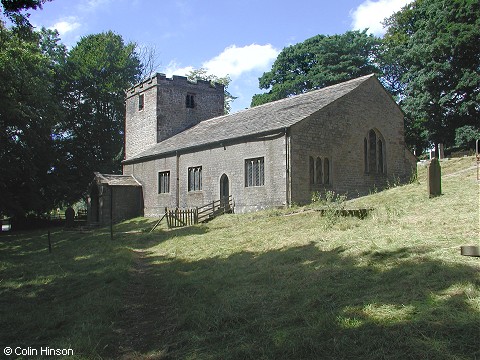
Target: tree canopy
29 108
96 73
15 10
432 56
319 62
61 115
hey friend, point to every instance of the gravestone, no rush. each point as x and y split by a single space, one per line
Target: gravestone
434 178
69 217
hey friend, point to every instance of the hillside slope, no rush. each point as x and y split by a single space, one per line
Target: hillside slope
286 284
277 284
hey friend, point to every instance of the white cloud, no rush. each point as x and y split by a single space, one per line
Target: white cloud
66 25
370 14
244 65
91 5
175 69
234 61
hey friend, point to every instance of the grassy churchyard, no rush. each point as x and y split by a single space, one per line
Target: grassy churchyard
278 284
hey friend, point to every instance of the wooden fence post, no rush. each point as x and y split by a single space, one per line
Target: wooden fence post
111 213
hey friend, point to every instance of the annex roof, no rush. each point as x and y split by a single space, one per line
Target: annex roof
265 118
116 180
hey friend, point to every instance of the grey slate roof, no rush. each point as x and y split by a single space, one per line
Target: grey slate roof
116 180
265 118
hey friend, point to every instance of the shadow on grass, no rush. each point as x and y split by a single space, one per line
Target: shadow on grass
66 299
295 303
302 303
72 297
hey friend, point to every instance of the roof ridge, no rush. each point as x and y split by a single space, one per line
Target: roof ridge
365 77
270 116
309 92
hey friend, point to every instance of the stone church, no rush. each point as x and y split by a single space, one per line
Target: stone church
181 151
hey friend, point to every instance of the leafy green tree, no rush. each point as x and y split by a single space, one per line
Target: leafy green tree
29 109
15 10
97 72
319 62
202 74
436 47
466 136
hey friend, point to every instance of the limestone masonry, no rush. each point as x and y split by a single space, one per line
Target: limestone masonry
183 152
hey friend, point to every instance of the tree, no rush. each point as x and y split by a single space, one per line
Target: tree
436 45
29 108
97 72
466 136
15 10
202 74
319 62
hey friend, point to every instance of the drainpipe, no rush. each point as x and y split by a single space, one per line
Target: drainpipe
287 170
177 195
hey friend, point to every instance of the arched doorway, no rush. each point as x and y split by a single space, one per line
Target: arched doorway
224 190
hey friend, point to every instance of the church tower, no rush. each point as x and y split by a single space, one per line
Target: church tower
160 107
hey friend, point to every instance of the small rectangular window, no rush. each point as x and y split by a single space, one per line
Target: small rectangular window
141 101
189 101
164 182
255 172
195 178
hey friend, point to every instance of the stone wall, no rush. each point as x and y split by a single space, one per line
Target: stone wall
229 159
174 116
165 112
147 174
140 125
127 203
338 132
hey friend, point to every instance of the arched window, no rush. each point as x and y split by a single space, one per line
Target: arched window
372 153
380 156
318 170
326 171
312 170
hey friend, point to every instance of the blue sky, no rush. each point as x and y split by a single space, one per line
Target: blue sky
238 38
